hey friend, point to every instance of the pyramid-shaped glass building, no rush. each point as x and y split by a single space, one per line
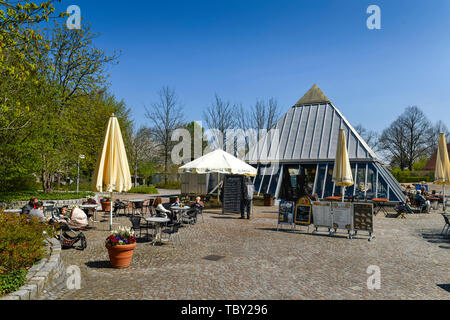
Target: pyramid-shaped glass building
305 140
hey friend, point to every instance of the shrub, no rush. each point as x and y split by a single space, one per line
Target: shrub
169 185
21 242
144 190
12 281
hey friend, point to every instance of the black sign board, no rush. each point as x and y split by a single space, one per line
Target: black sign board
363 216
232 194
286 212
303 215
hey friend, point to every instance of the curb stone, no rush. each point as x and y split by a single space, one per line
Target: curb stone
42 275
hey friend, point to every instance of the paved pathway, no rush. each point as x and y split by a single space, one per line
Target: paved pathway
261 263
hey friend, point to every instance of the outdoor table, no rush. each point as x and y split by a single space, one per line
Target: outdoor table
333 198
176 209
90 207
157 222
434 202
379 204
134 202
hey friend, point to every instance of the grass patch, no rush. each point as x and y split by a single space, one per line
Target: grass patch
172 185
144 190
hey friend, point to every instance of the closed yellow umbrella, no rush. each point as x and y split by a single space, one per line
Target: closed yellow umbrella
442 171
342 173
112 171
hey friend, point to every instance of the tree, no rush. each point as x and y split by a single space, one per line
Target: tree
141 150
408 139
166 115
220 117
370 137
438 128
196 132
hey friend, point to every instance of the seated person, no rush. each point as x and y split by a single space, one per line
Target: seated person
78 219
157 204
39 212
195 208
32 204
176 203
422 202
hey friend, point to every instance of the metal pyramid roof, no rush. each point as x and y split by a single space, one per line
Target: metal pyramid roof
309 132
314 95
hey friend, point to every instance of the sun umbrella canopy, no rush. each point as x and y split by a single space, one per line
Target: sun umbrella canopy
112 170
218 161
342 173
442 173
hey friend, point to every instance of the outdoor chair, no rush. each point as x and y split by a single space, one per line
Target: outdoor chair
119 205
172 231
446 228
148 204
137 225
138 207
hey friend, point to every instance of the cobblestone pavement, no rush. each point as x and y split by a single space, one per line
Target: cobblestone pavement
262 263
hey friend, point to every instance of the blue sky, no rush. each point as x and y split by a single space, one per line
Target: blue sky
244 50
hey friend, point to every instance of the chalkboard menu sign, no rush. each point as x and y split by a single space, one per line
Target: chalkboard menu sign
286 212
303 215
232 194
363 216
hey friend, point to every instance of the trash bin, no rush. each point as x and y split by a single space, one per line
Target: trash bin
268 200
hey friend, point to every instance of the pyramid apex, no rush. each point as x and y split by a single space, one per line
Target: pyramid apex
313 96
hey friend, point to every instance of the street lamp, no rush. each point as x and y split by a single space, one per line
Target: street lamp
81 156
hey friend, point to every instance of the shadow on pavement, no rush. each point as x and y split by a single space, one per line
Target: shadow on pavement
98 264
436 238
446 287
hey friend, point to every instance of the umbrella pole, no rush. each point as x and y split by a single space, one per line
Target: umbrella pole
343 193
218 188
111 213
443 202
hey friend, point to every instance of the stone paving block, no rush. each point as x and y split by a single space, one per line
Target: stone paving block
39 282
10 297
22 294
32 289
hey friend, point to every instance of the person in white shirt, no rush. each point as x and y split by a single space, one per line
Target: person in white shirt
159 207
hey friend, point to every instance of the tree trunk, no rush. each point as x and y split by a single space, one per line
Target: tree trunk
47 181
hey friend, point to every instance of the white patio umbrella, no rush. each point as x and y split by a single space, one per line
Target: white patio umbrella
112 171
218 162
442 171
342 173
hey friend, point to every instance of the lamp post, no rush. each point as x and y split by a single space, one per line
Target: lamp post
81 156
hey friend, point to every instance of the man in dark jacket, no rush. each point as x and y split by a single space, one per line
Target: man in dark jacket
32 204
247 197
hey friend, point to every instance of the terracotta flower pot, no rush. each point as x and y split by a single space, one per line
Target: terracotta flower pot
106 206
120 256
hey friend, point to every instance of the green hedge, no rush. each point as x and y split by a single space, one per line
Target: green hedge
27 195
21 246
407 176
10 282
144 190
174 185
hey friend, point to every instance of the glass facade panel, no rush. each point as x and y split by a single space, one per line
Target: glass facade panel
320 180
382 188
329 183
371 182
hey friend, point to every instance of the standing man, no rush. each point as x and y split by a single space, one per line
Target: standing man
248 189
